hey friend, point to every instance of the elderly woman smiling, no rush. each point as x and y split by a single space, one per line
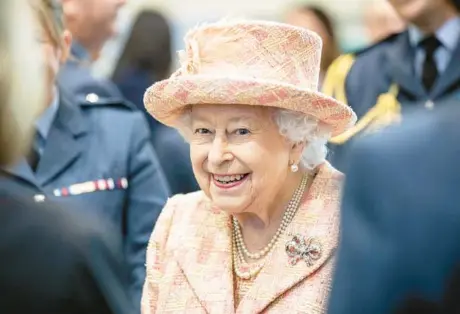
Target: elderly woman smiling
260 236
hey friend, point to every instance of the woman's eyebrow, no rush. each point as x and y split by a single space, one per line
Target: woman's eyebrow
199 118
241 119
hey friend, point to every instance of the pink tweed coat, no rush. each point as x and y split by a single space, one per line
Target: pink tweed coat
189 258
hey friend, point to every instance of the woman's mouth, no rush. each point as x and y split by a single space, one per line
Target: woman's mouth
229 181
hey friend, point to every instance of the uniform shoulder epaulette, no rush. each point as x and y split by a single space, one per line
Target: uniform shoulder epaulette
386 110
92 100
334 82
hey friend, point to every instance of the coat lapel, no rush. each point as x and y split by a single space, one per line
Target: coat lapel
207 260
317 218
64 143
22 171
400 59
450 77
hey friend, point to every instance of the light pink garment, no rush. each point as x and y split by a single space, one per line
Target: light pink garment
189 258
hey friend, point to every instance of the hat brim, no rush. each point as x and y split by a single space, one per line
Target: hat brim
165 99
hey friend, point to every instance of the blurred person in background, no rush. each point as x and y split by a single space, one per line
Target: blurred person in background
318 20
92 24
381 21
52 261
260 236
146 59
396 75
93 156
399 251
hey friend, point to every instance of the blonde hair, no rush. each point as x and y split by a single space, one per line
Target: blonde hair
21 82
50 16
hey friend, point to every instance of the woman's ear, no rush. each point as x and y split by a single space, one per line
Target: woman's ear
66 44
296 151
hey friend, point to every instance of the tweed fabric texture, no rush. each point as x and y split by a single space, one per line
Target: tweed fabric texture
189 258
248 63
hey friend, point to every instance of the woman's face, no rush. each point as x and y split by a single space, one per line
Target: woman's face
239 158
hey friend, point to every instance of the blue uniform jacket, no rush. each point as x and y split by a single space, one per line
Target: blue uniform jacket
98 158
385 69
400 215
46 259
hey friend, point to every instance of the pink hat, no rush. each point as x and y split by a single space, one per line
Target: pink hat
248 63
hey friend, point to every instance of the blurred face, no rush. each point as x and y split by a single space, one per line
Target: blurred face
418 11
92 18
54 56
381 20
239 158
308 20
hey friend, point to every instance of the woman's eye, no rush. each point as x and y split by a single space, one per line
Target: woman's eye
242 132
201 131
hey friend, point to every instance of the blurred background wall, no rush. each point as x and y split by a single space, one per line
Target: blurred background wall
348 15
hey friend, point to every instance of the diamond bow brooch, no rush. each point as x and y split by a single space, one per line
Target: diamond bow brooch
300 248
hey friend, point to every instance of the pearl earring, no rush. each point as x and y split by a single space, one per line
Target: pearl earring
294 168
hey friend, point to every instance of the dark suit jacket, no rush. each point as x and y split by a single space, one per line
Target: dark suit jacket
386 63
57 262
400 215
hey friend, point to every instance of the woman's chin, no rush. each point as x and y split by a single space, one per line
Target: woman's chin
230 205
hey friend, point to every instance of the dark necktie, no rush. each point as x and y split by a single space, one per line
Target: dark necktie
430 70
33 157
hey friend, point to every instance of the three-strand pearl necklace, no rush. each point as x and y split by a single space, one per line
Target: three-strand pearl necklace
240 251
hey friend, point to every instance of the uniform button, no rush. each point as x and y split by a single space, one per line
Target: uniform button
39 198
92 98
429 105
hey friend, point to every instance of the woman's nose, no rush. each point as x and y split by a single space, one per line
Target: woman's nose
218 153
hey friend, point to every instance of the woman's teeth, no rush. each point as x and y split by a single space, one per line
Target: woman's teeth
229 179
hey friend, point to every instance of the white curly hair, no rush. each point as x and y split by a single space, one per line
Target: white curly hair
294 126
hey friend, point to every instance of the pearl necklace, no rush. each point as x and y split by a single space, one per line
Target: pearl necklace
240 250
244 271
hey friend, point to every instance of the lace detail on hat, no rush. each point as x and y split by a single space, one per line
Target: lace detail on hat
190 58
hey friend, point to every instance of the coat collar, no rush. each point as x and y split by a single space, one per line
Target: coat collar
206 256
44 123
80 52
400 56
450 77
447 34
63 145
